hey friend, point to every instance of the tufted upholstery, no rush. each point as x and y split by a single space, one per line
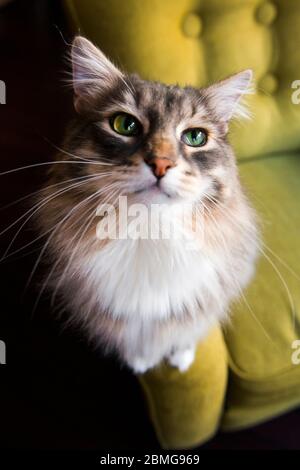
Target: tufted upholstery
197 42
194 42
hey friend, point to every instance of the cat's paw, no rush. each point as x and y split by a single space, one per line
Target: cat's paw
182 359
139 365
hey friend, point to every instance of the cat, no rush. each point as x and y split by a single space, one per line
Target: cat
158 145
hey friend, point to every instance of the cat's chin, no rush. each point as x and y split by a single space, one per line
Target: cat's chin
158 195
158 192
154 193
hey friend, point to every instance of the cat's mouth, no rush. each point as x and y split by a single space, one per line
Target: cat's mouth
154 188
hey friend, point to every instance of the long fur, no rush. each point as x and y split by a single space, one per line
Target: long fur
148 299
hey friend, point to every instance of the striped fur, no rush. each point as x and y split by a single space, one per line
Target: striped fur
148 300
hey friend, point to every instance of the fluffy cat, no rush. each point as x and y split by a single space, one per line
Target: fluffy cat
148 299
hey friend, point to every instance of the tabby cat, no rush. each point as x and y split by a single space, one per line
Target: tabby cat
148 298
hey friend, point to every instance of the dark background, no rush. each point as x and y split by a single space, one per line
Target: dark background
56 392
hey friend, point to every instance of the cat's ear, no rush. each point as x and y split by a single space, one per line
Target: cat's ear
225 97
93 73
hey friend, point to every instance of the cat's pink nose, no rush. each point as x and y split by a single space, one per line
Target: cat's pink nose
160 165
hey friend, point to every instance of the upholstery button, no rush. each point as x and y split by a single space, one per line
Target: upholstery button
266 13
268 83
192 25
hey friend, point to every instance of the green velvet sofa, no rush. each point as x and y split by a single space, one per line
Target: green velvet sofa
249 371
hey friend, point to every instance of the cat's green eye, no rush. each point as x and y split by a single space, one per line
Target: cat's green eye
195 137
125 124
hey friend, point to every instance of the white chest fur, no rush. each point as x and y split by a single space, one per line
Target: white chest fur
153 278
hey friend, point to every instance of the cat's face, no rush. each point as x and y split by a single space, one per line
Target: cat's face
159 143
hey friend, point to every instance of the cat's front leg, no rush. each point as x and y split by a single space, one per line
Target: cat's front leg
140 364
182 358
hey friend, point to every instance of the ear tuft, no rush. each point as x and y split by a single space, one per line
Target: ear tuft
93 72
226 96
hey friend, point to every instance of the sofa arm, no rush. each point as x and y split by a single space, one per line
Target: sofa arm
186 408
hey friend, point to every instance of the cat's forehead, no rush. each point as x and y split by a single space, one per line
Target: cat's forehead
161 103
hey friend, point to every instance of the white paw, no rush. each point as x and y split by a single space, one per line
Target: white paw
182 359
139 365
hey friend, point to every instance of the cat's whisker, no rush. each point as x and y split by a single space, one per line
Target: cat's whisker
59 225
281 261
55 162
40 191
33 211
61 191
38 206
284 283
100 159
56 147
90 220
116 191
45 283
261 250
241 293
